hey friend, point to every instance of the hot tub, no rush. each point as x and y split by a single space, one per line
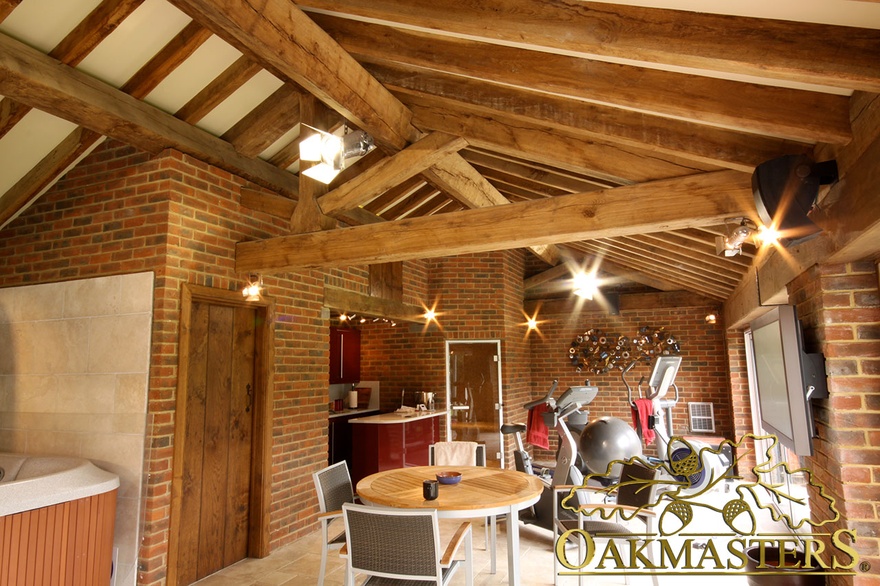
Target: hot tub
56 521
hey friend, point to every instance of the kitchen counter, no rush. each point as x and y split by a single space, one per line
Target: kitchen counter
386 418
392 440
352 412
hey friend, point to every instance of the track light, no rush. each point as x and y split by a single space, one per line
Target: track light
331 152
732 244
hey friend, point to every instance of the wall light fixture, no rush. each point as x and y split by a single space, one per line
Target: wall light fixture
254 290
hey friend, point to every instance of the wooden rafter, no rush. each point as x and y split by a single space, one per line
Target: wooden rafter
100 22
235 76
795 114
688 139
31 77
266 123
562 148
389 172
803 52
71 150
167 60
283 39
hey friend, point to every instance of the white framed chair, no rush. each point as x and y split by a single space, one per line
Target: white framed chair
450 449
334 488
630 500
403 544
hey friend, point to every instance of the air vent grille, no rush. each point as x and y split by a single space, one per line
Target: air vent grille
702 417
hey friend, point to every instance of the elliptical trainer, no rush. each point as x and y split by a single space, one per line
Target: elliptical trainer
566 471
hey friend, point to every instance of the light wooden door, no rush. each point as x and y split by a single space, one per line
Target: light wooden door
215 496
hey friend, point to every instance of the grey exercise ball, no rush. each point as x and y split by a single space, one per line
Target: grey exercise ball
607 439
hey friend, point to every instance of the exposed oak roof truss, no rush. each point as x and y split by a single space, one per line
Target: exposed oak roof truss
490 117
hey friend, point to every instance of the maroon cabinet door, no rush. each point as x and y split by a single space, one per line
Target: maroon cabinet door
417 436
345 356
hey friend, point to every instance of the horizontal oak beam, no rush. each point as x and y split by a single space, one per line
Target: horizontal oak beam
344 300
663 205
777 111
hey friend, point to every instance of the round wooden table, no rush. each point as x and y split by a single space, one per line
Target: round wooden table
482 492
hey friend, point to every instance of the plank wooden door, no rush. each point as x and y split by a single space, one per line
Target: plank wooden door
215 492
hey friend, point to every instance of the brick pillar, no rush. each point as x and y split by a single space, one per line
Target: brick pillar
839 306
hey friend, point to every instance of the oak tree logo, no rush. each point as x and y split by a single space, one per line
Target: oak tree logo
679 482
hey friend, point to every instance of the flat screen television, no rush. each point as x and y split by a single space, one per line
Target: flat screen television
788 379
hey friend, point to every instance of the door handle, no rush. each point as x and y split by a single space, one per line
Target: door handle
250 398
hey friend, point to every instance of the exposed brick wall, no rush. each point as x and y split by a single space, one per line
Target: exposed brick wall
122 211
740 401
839 307
477 297
703 375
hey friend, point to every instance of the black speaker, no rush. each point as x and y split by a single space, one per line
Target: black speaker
785 191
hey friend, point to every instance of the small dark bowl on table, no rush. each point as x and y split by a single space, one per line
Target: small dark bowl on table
449 477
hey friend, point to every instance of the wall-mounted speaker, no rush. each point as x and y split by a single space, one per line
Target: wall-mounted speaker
785 191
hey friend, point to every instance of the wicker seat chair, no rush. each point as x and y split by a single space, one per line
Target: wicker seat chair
630 500
490 524
334 488
402 546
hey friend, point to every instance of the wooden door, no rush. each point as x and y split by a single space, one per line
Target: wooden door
215 496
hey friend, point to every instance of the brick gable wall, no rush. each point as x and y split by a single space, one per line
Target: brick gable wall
703 375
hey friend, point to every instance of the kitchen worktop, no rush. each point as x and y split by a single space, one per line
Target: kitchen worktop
385 418
350 412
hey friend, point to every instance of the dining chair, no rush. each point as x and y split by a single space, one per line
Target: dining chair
334 488
453 448
631 500
403 544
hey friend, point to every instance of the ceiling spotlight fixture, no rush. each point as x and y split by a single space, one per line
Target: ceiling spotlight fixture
331 151
254 290
767 235
732 244
586 285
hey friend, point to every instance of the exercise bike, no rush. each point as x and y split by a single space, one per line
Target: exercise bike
566 471
711 465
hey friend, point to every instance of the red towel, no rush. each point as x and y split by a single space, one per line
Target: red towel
537 434
642 412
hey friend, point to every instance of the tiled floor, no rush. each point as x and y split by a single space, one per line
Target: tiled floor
297 564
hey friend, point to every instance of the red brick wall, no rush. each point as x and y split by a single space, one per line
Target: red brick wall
741 401
839 307
122 211
477 297
703 375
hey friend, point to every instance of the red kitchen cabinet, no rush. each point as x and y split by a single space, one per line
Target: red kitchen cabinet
379 444
345 355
